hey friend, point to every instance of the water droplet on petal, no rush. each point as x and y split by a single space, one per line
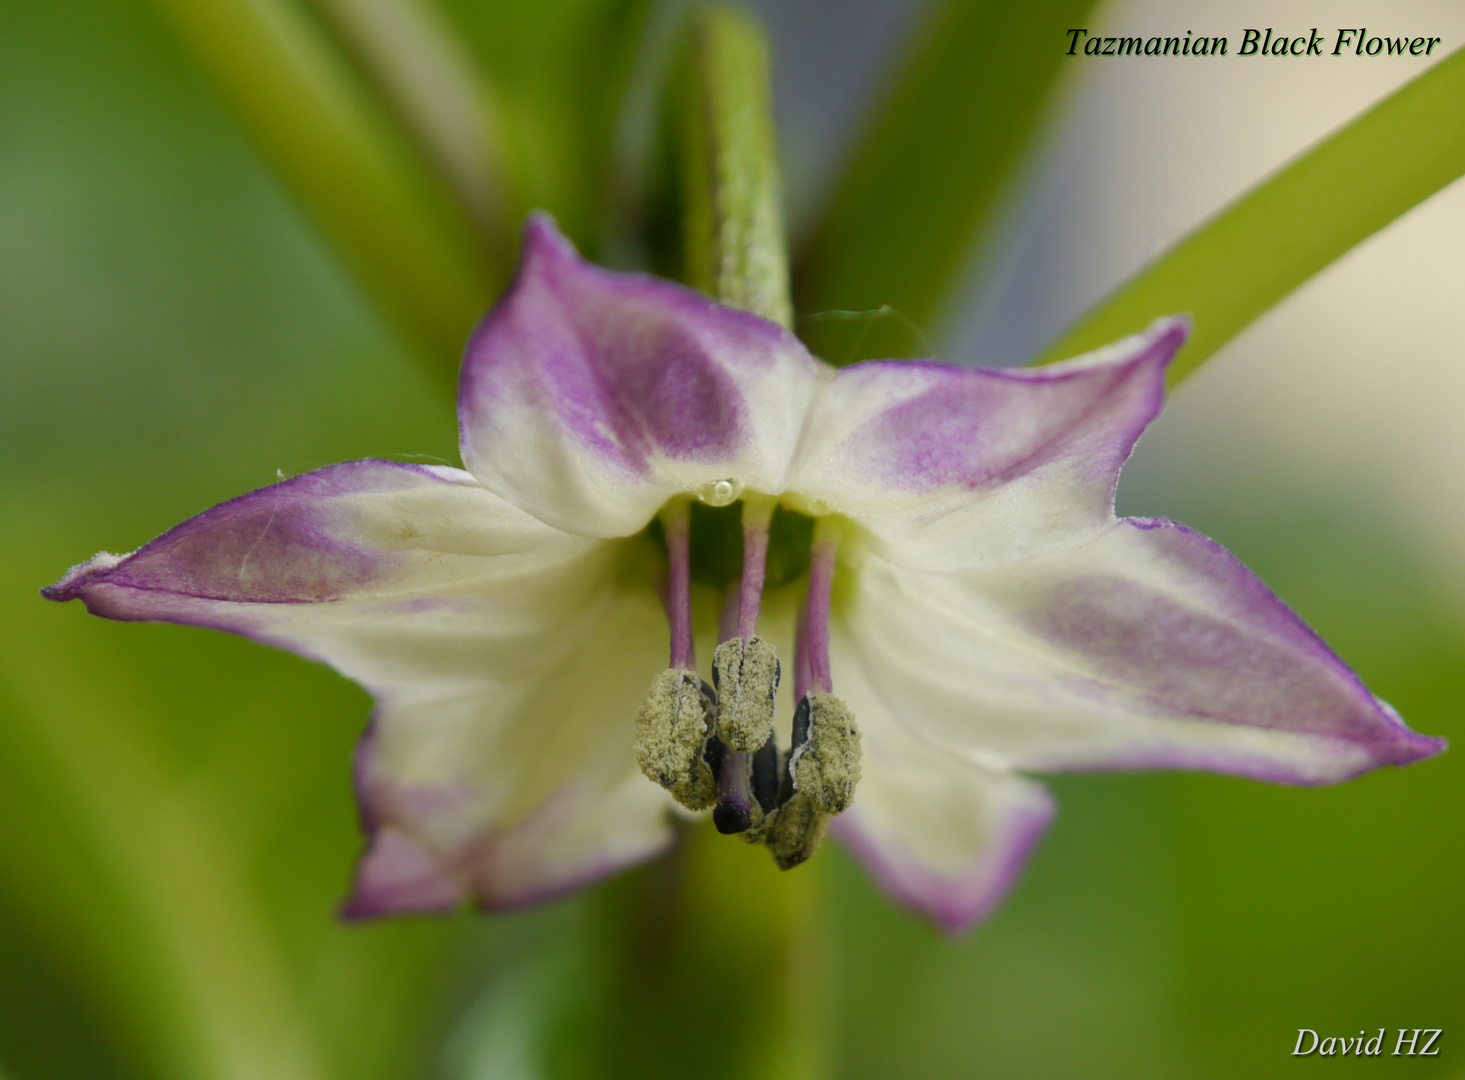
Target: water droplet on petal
720 492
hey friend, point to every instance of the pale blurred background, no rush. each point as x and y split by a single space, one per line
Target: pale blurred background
1355 386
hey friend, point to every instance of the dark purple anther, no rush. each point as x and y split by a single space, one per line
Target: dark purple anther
765 775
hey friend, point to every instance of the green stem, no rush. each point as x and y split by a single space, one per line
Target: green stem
715 967
733 230
1252 254
400 233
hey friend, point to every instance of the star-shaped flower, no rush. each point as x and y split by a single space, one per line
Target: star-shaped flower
969 592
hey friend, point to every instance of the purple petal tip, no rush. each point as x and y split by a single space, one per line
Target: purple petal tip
953 900
542 237
1411 747
74 582
1176 333
397 876
1166 335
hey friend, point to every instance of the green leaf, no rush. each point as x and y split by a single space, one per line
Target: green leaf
429 80
184 849
931 171
1253 253
561 70
399 231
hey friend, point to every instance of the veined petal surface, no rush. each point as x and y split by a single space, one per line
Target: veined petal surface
1149 646
589 397
940 835
506 657
951 468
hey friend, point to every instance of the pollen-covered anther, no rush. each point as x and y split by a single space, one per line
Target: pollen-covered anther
746 673
672 730
795 832
825 763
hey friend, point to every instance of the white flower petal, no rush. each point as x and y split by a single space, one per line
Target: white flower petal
523 791
950 468
1148 647
940 835
589 398
507 658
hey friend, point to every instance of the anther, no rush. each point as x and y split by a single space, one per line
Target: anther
801 723
746 674
825 762
672 731
714 746
765 780
800 734
796 832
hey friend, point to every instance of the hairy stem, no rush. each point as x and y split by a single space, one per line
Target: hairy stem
733 230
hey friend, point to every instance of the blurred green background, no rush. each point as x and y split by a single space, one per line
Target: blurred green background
176 826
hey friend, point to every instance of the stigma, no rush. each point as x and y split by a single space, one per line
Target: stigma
714 746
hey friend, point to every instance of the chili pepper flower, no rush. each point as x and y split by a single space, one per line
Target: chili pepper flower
931 551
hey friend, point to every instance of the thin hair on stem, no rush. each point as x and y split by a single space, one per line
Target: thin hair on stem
867 318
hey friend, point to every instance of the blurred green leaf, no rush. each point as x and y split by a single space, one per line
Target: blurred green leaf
429 81
396 227
561 71
929 174
179 840
176 821
1252 254
186 954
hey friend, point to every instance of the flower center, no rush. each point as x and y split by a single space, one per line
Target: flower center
715 746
